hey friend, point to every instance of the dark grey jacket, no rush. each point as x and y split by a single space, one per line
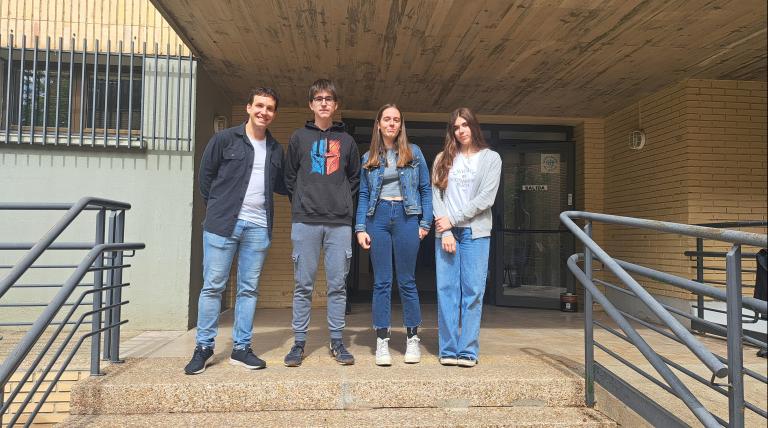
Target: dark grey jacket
225 170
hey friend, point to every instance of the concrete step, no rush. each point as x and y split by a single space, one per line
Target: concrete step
524 416
158 385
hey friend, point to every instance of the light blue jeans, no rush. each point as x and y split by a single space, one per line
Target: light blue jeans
460 289
252 241
336 242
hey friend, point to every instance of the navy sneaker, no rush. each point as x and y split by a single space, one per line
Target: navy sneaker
199 361
340 353
246 358
295 355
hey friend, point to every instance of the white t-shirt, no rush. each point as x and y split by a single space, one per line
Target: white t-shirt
253 209
460 179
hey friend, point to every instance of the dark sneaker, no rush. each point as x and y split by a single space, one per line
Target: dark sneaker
467 361
246 358
295 356
340 353
199 360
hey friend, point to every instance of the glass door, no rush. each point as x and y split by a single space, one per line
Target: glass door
532 245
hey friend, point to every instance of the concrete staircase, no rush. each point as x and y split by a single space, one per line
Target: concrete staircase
520 391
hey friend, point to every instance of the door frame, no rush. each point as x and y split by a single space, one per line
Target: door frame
567 149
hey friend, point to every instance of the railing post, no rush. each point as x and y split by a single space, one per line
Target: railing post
118 291
97 285
108 314
589 350
735 353
700 276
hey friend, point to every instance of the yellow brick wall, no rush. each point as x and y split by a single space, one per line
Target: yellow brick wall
704 161
726 123
649 183
589 140
115 20
728 158
56 407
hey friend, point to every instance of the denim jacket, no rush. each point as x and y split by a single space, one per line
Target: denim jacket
414 185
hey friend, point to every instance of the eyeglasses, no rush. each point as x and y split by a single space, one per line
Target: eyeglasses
320 100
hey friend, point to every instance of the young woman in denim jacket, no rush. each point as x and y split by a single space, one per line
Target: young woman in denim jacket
394 212
465 181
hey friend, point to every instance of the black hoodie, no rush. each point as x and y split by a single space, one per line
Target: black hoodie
322 173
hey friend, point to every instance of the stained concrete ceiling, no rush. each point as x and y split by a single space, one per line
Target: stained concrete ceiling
575 58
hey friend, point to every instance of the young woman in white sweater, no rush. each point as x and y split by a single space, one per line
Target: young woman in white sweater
465 180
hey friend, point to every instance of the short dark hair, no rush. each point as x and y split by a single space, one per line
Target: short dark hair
263 91
322 85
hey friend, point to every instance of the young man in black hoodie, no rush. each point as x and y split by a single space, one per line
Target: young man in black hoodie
322 175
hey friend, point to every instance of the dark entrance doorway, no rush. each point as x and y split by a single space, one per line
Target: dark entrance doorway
532 245
508 141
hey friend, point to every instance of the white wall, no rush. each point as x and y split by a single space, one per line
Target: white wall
159 187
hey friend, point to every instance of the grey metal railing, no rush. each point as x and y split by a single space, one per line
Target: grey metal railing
109 95
104 260
720 367
708 265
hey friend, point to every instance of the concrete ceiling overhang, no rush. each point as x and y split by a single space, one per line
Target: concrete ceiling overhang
582 58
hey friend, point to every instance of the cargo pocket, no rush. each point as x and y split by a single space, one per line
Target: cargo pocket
295 259
347 261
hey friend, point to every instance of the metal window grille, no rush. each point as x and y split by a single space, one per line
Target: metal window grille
102 95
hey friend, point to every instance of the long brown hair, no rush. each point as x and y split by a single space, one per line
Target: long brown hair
451 147
404 154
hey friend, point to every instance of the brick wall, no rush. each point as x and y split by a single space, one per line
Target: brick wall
56 407
589 140
704 161
728 159
727 152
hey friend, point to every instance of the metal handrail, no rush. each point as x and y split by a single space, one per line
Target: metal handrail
17 355
732 295
37 250
102 257
724 235
700 256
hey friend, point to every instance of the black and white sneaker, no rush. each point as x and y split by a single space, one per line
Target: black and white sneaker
199 361
340 353
246 358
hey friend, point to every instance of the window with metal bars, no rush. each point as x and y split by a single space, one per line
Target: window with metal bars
46 100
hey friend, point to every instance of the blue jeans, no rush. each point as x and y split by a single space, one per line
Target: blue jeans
252 242
460 289
336 242
391 229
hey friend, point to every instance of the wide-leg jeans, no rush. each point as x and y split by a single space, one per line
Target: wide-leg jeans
460 288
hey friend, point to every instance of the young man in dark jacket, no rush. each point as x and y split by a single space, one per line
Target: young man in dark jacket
240 169
322 175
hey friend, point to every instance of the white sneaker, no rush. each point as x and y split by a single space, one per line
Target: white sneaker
412 350
382 352
449 361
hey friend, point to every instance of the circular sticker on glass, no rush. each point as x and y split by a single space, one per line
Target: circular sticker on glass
550 163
